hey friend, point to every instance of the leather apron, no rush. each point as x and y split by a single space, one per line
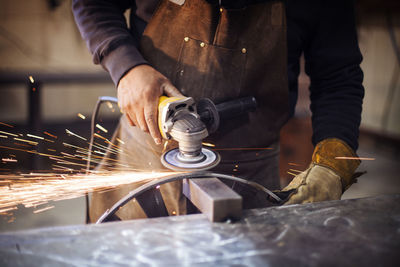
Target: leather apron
208 51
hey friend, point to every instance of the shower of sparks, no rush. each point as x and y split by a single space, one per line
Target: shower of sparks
80 115
5 124
354 158
31 79
31 190
74 134
7 133
101 128
35 136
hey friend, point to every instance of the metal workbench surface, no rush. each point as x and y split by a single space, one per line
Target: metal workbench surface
357 232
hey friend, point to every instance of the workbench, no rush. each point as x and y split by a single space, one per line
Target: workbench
356 232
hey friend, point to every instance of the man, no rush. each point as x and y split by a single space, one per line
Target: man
224 50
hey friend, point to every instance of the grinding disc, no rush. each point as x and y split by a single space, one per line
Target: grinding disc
171 160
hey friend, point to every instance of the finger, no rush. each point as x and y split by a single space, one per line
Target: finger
150 114
131 115
130 120
171 90
141 121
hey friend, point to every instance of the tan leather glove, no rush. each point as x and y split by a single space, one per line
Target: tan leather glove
326 178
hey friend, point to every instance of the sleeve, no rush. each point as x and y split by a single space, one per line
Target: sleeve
103 27
333 63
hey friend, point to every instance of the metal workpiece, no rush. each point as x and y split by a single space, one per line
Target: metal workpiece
357 232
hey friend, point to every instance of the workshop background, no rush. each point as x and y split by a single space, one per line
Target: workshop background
45 61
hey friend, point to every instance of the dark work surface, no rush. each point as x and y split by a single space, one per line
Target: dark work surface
357 232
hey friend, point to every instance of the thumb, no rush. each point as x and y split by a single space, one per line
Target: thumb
171 90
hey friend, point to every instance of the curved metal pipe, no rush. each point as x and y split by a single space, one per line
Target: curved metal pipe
195 175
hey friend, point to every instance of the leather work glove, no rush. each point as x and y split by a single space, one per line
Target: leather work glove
326 178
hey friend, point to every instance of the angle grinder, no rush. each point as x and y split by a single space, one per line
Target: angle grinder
188 123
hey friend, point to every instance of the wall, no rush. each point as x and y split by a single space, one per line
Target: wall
35 38
381 73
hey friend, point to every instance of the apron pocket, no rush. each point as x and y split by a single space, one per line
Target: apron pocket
205 70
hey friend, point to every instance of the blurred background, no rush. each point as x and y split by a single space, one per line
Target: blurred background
47 79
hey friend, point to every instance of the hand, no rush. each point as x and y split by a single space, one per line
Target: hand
315 184
327 176
138 94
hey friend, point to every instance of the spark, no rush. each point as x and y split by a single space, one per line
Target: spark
74 134
110 106
68 155
19 144
3 136
119 140
7 133
52 150
5 124
292 173
242 148
101 128
31 79
293 170
80 115
73 146
43 209
27 141
208 144
35 136
8 209
99 136
51 135
63 168
354 158
294 164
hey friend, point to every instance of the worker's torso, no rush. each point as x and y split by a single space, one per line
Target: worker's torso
223 54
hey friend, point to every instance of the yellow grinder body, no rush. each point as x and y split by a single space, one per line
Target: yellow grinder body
178 120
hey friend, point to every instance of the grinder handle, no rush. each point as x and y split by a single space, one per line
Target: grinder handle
237 107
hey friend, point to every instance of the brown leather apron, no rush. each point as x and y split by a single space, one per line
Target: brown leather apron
208 51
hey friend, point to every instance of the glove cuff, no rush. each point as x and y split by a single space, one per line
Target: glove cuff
326 153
